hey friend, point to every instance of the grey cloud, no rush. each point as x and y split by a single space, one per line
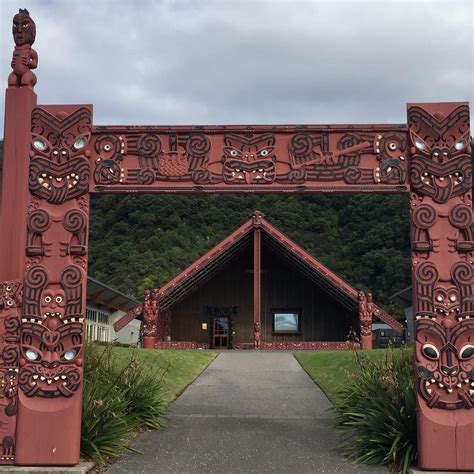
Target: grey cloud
248 62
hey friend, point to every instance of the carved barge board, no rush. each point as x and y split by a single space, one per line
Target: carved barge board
281 158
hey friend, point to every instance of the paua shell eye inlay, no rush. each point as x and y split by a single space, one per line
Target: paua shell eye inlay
79 143
420 144
430 351
39 144
31 355
467 351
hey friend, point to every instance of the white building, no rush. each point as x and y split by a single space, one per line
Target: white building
105 306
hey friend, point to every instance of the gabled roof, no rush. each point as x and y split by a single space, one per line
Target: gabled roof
205 267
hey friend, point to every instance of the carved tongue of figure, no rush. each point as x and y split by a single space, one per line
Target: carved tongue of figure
444 187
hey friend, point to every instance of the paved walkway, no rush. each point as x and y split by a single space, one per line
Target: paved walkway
248 412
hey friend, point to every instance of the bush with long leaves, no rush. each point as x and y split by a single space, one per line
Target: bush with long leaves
117 402
376 411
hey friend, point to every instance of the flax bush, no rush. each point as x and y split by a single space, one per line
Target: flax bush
376 411
118 401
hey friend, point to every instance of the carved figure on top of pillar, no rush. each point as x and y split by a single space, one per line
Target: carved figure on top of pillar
25 58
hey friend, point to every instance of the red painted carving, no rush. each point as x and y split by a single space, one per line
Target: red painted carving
256 328
442 257
219 159
25 57
180 345
11 296
366 312
150 317
52 324
310 345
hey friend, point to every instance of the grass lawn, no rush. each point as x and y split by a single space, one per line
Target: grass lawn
182 366
327 368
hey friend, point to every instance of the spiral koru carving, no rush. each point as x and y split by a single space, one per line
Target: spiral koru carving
462 275
12 325
10 356
107 172
352 175
301 144
200 176
295 176
146 176
35 278
460 216
38 221
71 277
149 145
425 216
74 221
427 273
198 145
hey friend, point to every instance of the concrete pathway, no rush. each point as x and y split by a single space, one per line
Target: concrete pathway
248 412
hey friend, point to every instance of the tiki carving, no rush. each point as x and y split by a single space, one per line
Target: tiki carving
25 57
59 170
446 364
366 313
150 317
442 258
249 160
257 332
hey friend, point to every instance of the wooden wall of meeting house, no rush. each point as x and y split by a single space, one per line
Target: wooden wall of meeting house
257 289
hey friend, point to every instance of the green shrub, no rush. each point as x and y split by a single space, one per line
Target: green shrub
117 402
376 411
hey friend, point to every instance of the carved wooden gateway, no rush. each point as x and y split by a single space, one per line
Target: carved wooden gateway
55 157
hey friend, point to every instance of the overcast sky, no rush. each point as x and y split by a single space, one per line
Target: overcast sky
242 61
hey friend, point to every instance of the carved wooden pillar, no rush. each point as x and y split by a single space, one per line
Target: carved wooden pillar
257 277
365 319
442 260
55 280
150 318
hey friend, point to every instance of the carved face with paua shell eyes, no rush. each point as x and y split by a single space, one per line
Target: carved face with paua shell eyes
50 360
441 163
59 169
445 364
249 161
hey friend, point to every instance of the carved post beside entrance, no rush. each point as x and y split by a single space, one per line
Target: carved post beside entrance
19 102
365 319
257 277
150 318
54 290
442 261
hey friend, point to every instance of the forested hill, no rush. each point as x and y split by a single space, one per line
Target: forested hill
143 241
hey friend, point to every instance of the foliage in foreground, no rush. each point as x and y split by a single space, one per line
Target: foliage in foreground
119 399
376 410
